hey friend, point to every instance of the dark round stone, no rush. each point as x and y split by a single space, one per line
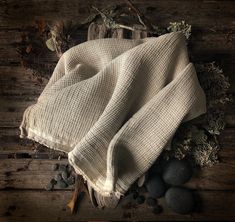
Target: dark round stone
55 167
156 186
135 194
177 172
62 167
58 177
64 175
140 199
142 189
61 184
69 168
157 166
180 200
53 181
70 180
49 186
157 209
151 201
126 201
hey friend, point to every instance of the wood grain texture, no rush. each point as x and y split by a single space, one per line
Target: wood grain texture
34 173
23 174
27 173
37 206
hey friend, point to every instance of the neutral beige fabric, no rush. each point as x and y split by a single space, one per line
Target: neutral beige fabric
114 104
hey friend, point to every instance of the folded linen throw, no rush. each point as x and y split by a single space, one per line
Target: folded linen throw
114 104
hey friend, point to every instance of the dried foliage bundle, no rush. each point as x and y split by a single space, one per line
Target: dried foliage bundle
32 51
198 139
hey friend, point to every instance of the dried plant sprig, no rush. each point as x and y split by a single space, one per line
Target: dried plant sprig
61 39
180 26
140 16
112 14
33 53
110 22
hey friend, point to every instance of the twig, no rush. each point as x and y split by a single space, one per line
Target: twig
110 22
73 204
140 15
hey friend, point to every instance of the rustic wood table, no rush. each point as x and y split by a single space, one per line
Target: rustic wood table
24 172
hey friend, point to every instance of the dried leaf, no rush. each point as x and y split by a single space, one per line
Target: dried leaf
41 25
29 48
50 44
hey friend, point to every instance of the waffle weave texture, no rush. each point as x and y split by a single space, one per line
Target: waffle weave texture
114 104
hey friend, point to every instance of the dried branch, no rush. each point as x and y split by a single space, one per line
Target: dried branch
110 22
142 19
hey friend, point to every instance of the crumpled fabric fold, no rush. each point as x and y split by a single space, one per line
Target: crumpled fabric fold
114 104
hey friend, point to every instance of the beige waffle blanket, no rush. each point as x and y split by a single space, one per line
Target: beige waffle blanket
114 104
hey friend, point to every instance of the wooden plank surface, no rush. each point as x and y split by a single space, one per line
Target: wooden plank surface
22 180
36 173
46 206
